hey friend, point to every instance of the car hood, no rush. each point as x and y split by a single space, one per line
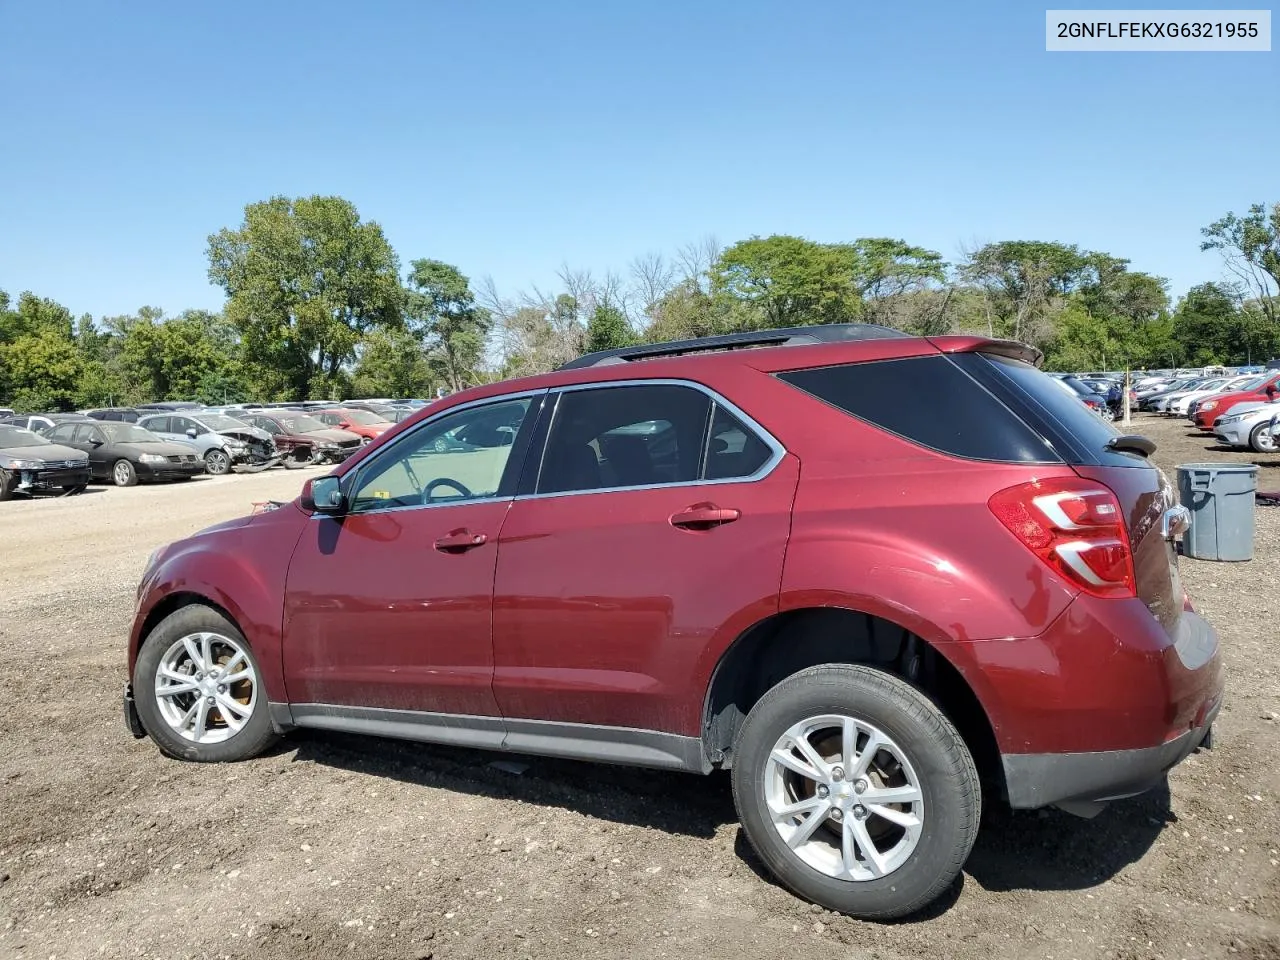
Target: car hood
332 436
246 433
54 452
166 448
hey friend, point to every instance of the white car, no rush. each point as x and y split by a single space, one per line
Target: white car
1254 428
1180 406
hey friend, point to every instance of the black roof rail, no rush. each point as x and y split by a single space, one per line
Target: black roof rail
782 337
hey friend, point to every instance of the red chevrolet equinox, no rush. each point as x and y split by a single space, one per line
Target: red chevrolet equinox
876 577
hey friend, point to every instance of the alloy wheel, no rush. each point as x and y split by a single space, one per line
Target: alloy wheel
844 797
206 687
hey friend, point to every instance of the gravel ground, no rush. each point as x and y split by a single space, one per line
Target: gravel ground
343 846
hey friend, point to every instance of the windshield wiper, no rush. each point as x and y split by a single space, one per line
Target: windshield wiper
1132 443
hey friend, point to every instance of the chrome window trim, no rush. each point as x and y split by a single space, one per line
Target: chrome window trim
361 470
777 450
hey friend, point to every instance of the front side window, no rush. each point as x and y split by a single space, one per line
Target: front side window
459 458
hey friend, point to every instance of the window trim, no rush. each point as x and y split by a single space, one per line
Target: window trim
352 480
776 450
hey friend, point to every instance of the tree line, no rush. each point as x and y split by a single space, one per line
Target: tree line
318 305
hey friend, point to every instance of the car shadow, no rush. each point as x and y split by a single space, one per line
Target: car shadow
1015 850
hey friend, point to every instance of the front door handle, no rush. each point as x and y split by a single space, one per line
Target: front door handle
460 541
703 516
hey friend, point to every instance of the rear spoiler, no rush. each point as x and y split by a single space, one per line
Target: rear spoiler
1004 348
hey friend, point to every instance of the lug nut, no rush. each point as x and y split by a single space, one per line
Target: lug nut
823 791
837 773
860 786
222 688
837 814
209 700
860 812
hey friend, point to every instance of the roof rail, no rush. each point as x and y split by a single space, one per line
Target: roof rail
782 337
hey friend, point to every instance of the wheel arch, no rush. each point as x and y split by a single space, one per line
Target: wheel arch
785 643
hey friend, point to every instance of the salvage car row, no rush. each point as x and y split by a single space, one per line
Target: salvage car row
62 453
1242 411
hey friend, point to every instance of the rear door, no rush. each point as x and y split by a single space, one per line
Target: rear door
652 531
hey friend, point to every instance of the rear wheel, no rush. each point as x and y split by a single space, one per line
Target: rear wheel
216 462
856 791
124 474
1261 439
198 689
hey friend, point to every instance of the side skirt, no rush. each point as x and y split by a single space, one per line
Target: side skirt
575 741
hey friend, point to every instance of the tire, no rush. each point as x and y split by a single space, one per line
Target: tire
1261 439
921 864
217 462
6 486
167 645
123 474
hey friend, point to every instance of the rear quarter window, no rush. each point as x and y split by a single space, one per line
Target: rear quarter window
929 401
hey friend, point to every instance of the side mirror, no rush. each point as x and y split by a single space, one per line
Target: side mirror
191 432
95 443
324 495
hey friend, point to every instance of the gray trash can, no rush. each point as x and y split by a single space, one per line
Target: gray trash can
1220 497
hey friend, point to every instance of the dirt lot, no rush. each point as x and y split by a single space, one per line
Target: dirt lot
346 847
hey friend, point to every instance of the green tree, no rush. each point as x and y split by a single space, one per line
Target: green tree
608 329
392 364
306 280
442 311
1250 246
787 281
42 370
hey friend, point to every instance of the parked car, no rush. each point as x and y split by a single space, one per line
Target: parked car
292 430
1111 390
944 599
368 426
221 441
30 462
6 412
1095 401
1250 428
1208 411
125 453
118 414
1182 404
382 409
40 422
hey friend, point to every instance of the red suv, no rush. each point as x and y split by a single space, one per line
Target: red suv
772 553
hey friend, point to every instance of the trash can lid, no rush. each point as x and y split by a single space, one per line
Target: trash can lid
1219 467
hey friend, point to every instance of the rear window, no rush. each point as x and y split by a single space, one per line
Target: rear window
932 402
1072 428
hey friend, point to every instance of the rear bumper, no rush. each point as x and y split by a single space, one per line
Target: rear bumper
1092 779
1151 714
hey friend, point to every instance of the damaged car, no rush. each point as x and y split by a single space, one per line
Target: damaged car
29 463
225 443
292 429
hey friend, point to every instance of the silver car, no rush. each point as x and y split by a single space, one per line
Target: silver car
221 440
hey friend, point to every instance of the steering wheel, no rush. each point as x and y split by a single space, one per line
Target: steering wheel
428 493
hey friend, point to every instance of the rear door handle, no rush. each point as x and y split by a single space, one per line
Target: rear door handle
704 515
460 541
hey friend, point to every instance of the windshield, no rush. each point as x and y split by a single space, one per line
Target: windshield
301 424
365 418
1253 384
216 421
11 437
126 433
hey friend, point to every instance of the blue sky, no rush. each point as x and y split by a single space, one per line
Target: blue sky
509 138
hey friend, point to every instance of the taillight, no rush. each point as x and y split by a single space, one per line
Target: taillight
1074 525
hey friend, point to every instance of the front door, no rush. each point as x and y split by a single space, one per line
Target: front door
655 535
388 606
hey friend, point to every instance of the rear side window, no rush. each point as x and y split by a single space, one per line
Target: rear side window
1073 428
932 402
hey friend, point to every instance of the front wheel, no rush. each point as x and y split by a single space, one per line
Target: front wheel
217 463
124 474
198 689
1261 439
856 791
